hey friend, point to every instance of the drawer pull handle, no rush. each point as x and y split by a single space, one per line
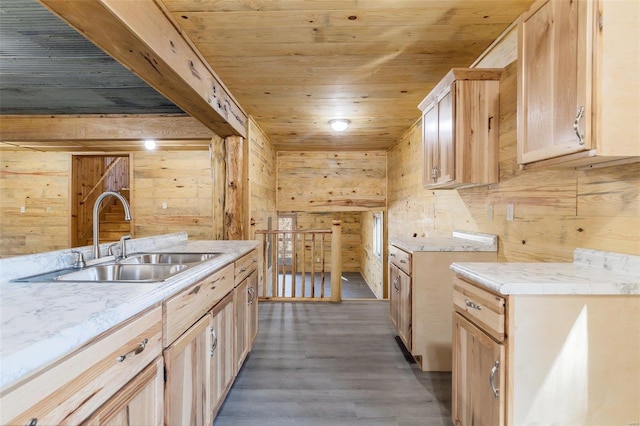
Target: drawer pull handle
243 269
392 255
33 422
494 370
403 261
470 304
134 352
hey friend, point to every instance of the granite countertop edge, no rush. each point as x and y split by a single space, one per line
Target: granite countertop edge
592 272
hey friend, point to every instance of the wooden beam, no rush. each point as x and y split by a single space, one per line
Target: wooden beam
141 36
218 174
39 128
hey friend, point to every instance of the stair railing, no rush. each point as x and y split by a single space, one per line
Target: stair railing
301 265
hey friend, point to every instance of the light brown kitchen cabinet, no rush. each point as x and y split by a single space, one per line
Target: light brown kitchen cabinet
478 359
140 402
538 358
578 87
187 393
420 298
460 129
246 303
75 388
223 367
200 367
400 303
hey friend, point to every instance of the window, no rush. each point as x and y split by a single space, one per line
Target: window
377 234
286 222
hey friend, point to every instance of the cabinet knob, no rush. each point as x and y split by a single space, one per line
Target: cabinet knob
33 422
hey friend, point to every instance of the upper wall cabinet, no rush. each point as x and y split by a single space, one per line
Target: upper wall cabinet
460 129
578 85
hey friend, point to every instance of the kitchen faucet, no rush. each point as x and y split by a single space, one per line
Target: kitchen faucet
96 218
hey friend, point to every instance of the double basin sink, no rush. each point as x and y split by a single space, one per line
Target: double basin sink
137 268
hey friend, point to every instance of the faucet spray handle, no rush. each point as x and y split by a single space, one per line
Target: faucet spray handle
79 263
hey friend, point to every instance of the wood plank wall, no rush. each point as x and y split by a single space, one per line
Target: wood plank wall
184 181
351 239
556 211
331 181
262 180
321 186
39 182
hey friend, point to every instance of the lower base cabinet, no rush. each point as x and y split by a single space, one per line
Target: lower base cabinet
200 368
140 402
543 359
478 381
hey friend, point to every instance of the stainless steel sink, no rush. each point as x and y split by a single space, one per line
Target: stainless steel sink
138 268
116 272
168 258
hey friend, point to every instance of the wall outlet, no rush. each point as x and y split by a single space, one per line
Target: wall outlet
490 211
510 212
317 260
48 209
22 209
164 206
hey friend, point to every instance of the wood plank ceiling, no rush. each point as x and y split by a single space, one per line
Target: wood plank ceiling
292 64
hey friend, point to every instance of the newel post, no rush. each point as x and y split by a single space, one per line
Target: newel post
336 261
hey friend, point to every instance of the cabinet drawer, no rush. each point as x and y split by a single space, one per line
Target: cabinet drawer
246 265
400 258
184 309
71 390
481 307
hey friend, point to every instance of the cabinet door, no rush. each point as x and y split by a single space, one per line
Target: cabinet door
394 294
445 166
241 299
188 366
553 71
140 402
478 376
404 309
222 356
252 309
429 144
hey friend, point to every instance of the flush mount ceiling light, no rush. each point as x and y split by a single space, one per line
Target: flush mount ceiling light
150 144
339 124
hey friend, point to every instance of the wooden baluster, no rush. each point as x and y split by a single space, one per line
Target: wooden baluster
294 263
336 261
313 264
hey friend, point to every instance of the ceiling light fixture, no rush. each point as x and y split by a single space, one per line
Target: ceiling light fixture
339 124
150 144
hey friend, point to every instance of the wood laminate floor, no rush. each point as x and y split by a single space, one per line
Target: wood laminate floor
332 364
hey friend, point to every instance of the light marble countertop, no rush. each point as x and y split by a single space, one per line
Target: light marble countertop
592 272
458 241
41 322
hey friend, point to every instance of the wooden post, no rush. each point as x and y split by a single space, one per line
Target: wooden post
336 261
233 217
218 175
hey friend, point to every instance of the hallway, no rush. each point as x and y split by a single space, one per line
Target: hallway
332 364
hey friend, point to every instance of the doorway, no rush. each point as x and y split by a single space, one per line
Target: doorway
91 175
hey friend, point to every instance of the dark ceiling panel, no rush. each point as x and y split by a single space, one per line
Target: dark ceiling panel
46 67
